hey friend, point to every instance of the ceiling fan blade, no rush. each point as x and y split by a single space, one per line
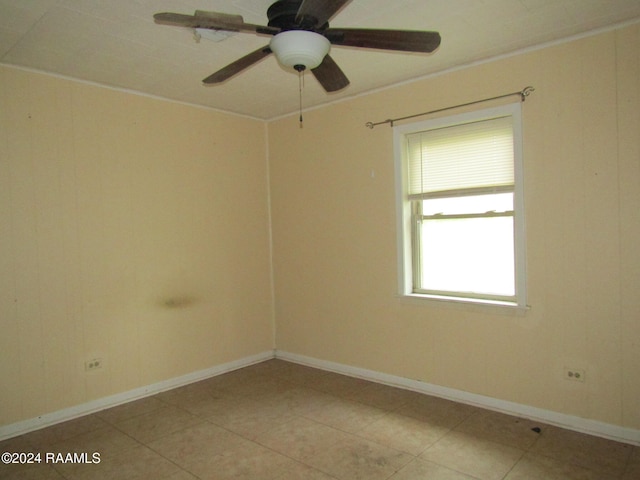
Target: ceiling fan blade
402 40
223 17
238 66
329 75
214 21
318 10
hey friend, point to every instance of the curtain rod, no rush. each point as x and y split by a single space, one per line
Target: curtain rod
524 93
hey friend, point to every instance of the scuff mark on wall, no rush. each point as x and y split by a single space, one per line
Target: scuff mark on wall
180 301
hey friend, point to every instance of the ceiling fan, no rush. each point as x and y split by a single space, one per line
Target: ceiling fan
302 38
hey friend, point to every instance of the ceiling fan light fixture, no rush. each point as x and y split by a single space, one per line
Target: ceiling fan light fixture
293 48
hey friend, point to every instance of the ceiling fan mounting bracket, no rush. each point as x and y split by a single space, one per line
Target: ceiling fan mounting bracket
284 13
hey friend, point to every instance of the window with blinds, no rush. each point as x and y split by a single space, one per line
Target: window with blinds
461 207
472 157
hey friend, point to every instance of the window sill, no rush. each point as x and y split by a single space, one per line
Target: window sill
468 304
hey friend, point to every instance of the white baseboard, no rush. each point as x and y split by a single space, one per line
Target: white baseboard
48 419
570 422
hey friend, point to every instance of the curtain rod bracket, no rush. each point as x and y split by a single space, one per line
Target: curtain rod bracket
524 93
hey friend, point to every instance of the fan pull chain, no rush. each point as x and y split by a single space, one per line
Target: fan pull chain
300 87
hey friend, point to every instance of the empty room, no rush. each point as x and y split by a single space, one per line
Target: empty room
320 239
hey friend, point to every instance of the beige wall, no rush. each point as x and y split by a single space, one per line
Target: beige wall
132 229
335 267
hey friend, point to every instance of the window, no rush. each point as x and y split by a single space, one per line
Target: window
460 209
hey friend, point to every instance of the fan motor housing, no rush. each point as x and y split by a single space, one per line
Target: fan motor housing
283 13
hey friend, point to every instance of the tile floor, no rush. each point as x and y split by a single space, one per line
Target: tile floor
278 420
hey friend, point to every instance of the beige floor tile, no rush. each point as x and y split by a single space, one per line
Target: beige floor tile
251 381
339 385
282 421
536 467
346 415
403 433
382 396
135 463
195 444
269 367
259 371
248 461
155 424
109 442
301 374
131 409
599 454
250 417
244 375
501 428
16 444
187 394
422 470
270 387
359 459
302 438
19 444
47 437
301 400
207 405
437 411
632 471
473 456
19 470
181 475
29 472
36 468
300 471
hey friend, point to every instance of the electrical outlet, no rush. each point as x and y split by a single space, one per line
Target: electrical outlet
575 374
93 364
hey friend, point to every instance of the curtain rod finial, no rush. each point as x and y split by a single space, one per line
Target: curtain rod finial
526 92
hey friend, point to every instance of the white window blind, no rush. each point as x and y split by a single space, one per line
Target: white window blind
477 155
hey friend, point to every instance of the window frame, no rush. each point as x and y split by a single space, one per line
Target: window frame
404 206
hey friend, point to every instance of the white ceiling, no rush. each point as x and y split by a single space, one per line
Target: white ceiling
116 43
